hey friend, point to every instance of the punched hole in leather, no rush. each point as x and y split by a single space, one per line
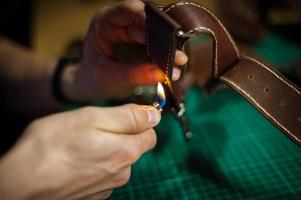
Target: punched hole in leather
273 95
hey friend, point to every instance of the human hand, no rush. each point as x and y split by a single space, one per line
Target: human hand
81 154
100 75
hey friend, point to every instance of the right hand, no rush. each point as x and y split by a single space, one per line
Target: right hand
100 75
81 154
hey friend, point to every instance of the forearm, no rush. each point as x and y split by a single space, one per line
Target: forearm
25 80
24 173
12 185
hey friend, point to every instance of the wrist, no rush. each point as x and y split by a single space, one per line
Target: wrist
19 175
64 87
69 87
76 85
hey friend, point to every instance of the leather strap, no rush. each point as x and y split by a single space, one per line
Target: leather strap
268 91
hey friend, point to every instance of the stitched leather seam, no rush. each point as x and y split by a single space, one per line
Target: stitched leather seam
147 36
215 45
251 99
169 55
260 107
199 6
148 45
274 73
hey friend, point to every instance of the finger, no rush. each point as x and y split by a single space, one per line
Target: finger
104 47
136 34
123 22
125 13
176 73
146 140
151 74
112 32
127 119
136 145
121 178
104 195
180 58
129 74
98 195
108 34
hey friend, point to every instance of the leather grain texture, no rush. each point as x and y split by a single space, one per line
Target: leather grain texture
195 19
268 91
160 38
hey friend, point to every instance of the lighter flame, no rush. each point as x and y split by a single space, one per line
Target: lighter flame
160 91
160 98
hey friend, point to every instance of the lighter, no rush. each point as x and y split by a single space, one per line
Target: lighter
164 95
160 98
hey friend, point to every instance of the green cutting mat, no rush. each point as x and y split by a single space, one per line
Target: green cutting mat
235 154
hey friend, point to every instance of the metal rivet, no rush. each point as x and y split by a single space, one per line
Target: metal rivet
299 119
266 89
189 135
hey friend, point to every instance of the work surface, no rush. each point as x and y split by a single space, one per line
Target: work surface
234 154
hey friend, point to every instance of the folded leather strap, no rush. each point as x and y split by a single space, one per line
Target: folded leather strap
170 27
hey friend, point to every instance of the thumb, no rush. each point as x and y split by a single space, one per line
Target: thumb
128 119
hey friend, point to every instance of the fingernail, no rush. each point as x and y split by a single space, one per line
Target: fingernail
153 116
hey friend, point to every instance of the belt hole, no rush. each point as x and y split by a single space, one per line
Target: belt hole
250 76
282 104
266 89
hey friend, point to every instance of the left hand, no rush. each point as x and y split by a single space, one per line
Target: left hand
80 154
99 74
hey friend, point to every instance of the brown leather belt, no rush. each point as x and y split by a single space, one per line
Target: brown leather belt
170 27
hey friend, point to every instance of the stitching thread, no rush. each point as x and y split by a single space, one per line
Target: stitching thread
237 52
147 36
215 45
148 19
229 36
274 73
260 107
169 55
199 6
